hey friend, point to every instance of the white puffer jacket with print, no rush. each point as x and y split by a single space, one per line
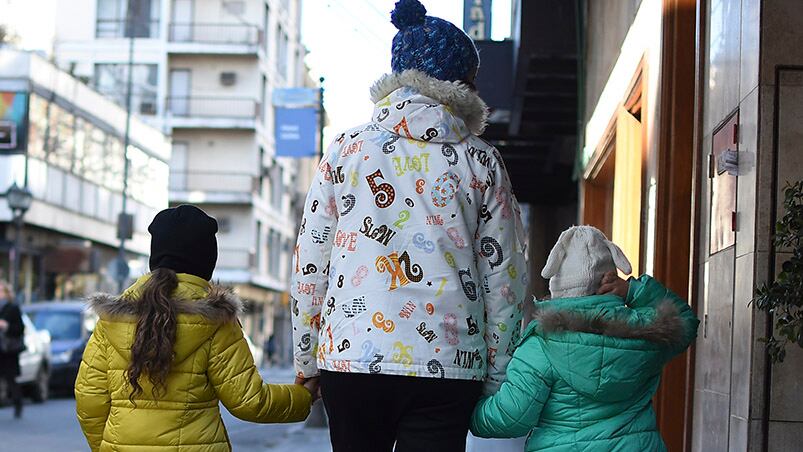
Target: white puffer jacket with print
410 258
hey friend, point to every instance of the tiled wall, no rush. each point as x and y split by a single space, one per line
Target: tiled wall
747 40
786 393
726 343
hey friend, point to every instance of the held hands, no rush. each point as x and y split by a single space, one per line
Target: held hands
3 325
312 385
613 284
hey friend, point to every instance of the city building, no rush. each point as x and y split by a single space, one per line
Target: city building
682 119
63 141
204 71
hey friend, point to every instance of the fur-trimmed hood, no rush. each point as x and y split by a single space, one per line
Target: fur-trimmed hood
220 305
460 100
665 330
207 308
604 349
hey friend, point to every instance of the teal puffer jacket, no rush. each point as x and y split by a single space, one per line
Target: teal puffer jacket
586 369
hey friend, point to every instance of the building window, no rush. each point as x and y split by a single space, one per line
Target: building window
277 187
261 171
265 24
263 97
112 23
111 80
258 245
282 44
274 253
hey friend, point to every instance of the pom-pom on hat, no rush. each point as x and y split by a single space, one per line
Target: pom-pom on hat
431 45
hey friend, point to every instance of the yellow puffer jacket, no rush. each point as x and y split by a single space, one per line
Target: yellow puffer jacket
212 364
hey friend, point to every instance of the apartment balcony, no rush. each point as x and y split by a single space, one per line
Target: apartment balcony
212 112
212 187
214 39
121 28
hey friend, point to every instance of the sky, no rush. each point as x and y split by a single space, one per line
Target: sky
34 21
348 43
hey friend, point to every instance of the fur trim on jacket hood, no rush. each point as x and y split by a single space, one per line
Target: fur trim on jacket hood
465 102
666 329
221 305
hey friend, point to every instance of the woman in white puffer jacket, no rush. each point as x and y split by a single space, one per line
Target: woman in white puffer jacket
410 259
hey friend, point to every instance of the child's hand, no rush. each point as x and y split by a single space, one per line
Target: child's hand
313 385
613 284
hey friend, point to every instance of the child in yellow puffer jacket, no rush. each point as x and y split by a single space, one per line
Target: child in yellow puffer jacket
170 348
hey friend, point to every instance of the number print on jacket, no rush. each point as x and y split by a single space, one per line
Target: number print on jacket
410 259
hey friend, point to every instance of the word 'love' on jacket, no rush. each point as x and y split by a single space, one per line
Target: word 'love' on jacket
212 363
586 370
410 257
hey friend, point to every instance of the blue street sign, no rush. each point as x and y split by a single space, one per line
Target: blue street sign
296 132
295 97
477 19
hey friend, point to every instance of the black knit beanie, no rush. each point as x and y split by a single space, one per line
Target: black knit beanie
183 240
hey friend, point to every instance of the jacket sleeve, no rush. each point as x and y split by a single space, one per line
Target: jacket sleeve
92 397
499 244
240 387
516 408
646 294
16 328
311 265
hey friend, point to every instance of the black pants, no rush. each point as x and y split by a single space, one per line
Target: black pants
371 413
14 392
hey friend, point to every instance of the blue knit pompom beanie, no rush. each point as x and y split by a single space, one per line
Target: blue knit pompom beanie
431 45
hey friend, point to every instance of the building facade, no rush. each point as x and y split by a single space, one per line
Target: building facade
69 154
682 117
204 72
671 88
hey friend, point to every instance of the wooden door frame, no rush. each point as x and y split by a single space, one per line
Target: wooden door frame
674 225
635 102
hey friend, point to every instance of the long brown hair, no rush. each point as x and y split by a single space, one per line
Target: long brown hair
152 350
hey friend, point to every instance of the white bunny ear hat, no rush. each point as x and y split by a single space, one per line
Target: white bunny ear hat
579 260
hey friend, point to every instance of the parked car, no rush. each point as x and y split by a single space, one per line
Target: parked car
34 364
70 323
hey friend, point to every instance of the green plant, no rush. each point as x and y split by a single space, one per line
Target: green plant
783 298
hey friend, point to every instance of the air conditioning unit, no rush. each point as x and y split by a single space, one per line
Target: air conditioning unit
228 78
235 8
147 108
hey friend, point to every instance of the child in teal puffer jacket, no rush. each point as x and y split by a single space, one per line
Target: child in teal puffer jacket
587 366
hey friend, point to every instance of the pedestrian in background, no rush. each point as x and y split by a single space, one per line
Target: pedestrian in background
12 332
588 366
410 270
269 351
167 351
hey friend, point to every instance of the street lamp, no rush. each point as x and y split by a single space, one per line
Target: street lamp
19 201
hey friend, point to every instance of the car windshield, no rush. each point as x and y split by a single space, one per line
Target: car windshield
62 325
